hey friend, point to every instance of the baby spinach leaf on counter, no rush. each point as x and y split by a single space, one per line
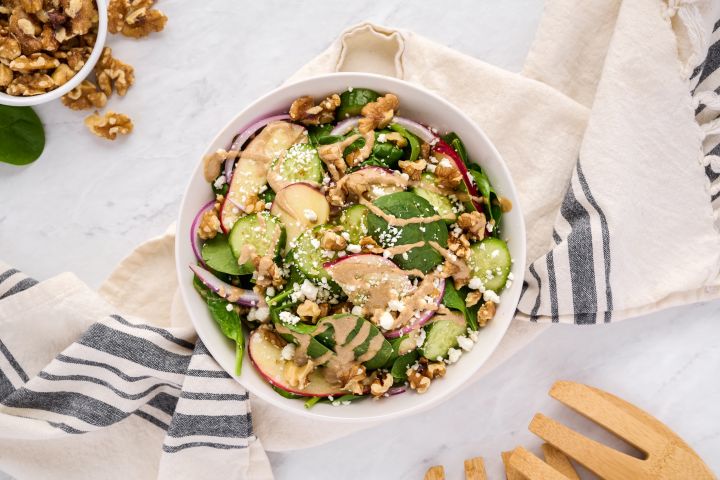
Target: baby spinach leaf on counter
413 141
21 135
217 255
408 205
352 101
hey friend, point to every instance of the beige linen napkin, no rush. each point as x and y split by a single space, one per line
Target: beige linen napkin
628 228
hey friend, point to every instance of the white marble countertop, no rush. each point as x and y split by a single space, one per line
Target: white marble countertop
87 202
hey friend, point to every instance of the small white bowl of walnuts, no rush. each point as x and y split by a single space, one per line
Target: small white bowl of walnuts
48 47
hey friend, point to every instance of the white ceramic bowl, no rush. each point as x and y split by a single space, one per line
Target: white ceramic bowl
417 104
15 101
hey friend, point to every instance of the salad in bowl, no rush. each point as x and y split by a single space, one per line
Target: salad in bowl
351 252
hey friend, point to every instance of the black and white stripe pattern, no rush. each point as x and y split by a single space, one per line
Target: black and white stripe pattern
120 368
705 85
574 276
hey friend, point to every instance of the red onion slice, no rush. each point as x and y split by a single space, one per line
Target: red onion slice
244 136
225 290
396 390
417 129
345 126
194 240
422 320
446 149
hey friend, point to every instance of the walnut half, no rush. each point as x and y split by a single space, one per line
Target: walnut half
422 373
305 111
110 125
112 73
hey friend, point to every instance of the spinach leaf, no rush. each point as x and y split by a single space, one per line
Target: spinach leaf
401 364
489 195
227 320
454 141
285 393
412 141
455 300
409 205
21 135
315 133
217 254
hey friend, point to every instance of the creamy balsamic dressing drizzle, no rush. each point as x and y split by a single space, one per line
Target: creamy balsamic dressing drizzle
336 364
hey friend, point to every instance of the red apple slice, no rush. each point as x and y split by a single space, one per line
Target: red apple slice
376 181
300 206
269 363
443 150
366 279
251 170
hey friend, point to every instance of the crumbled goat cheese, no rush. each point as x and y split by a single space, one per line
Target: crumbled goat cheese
473 334
382 138
489 227
352 248
315 242
262 314
465 343
491 296
396 305
445 163
475 283
357 310
288 352
220 181
310 215
421 338
309 290
386 320
229 307
345 235
430 168
454 355
270 292
288 317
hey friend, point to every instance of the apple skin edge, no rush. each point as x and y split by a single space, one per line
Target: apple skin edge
268 360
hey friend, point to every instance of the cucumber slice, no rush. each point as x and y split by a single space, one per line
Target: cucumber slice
308 257
440 203
300 163
441 337
218 255
352 101
261 231
490 261
409 205
354 221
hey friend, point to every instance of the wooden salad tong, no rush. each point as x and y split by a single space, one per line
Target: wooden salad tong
667 456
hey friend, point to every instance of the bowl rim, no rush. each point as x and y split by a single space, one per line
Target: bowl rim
519 237
20 101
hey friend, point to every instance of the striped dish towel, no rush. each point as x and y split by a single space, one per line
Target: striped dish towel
637 228
150 402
